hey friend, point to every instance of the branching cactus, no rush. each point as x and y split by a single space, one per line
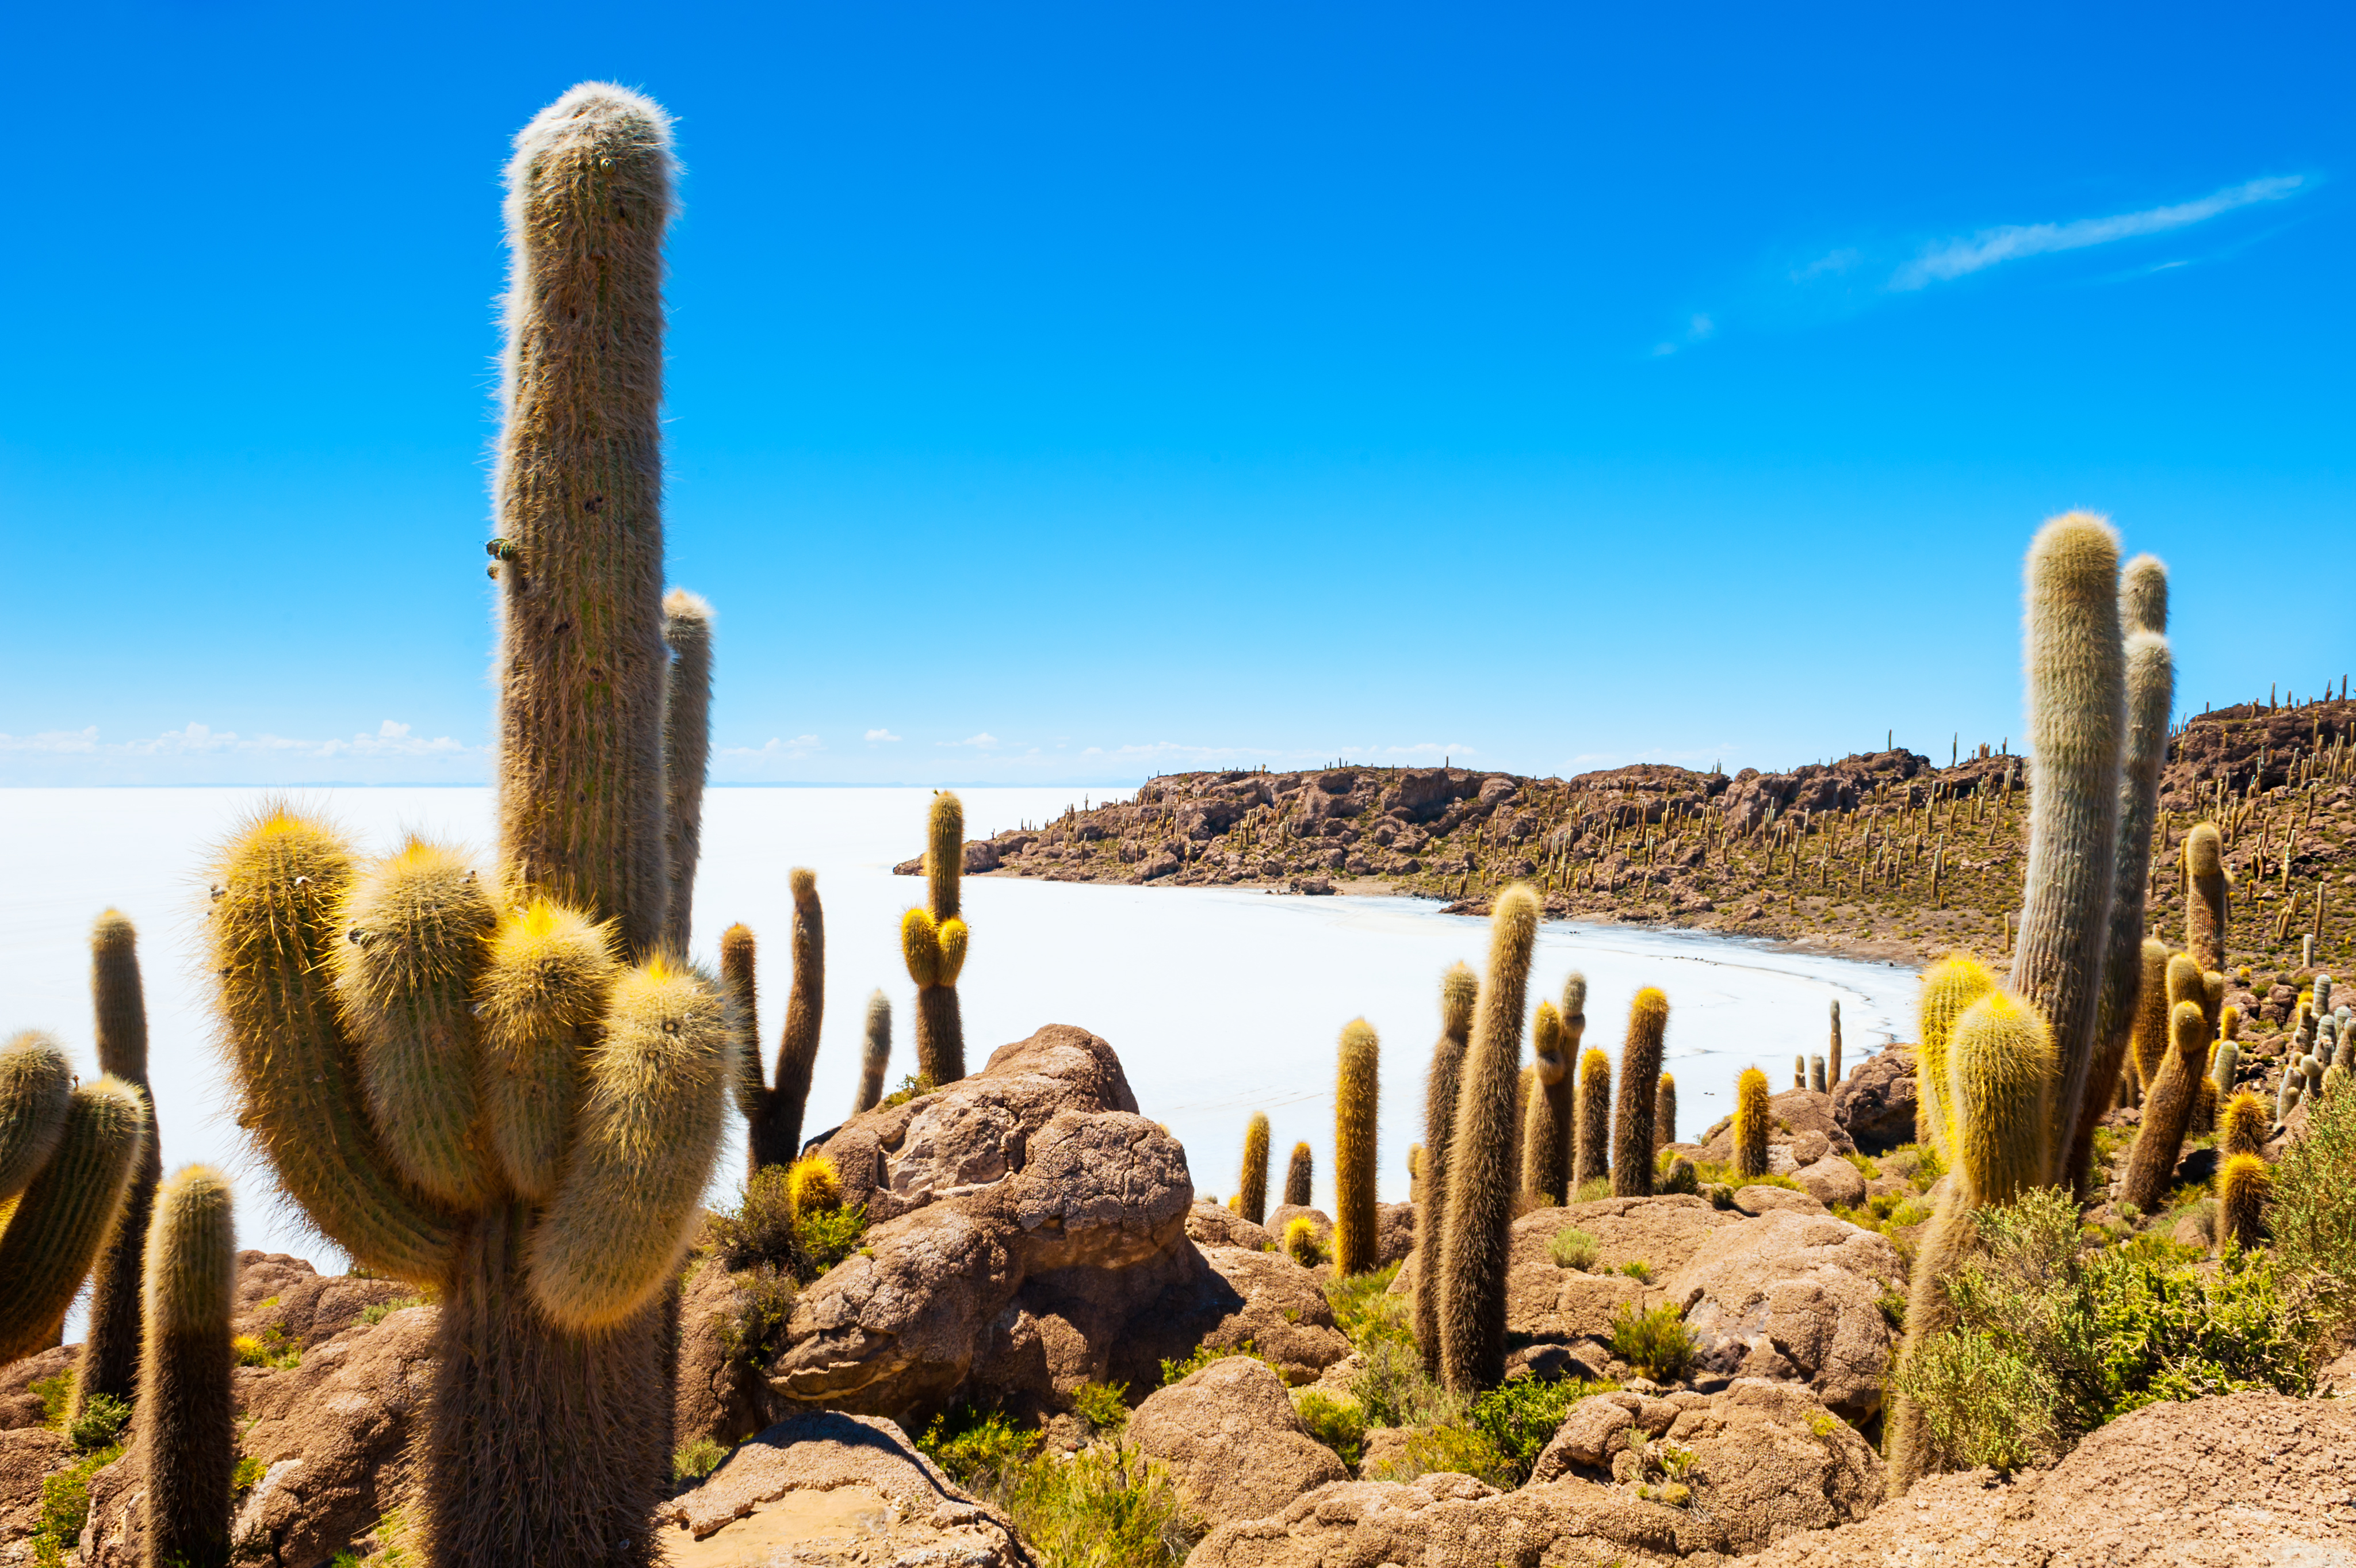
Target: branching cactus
1640 1076
1459 990
110 1356
1251 1188
1752 1120
68 1153
187 1406
2168 1109
1300 1173
772 1111
511 1087
1590 1152
877 1056
1356 1104
1547 1131
1950 987
932 940
1481 1182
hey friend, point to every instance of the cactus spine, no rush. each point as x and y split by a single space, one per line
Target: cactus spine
1833 1050
2167 1110
1298 1171
1665 1112
2077 723
64 1203
1251 1189
2244 1184
187 1407
110 1356
932 940
1545 1162
1591 1148
2242 1125
877 1057
1751 1121
2205 906
686 754
1458 992
1640 1079
774 1124
1356 1100
1480 1183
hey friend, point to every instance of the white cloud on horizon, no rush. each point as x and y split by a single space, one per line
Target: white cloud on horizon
882 735
983 742
1946 260
802 746
390 739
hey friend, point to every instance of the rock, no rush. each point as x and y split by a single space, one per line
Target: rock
1794 1297
1215 1225
1797 1113
1762 1199
1875 1103
1832 1182
1230 1436
2230 1479
1595 1429
724 1322
825 1490
1394 1231
306 1308
19 1406
28 1453
1384 1446
1280 1218
1238 1297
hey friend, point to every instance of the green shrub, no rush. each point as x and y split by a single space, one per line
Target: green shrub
1203 1355
911 1087
975 1447
1870 1169
1638 1269
1455 1446
1393 1389
1365 1311
1708 1173
1101 1508
376 1312
1572 1248
101 1423
1520 1415
762 1230
697 1460
1102 1407
1592 1190
248 1474
2313 1215
1335 1420
1656 1342
56 1395
65 1508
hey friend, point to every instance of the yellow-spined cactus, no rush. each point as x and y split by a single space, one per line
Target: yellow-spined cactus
1252 1190
1640 1076
2000 1083
2244 1183
813 1185
2244 1124
1751 1121
110 1356
1357 1106
933 942
68 1153
1949 988
1546 1129
188 1402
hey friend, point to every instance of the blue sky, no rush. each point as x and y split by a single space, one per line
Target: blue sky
1061 395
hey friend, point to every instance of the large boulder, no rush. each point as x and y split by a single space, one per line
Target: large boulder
1794 1297
286 1301
21 1405
2232 1479
825 1489
1232 1299
1215 1225
1833 1182
1875 1103
1229 1435
725 1321
28 1454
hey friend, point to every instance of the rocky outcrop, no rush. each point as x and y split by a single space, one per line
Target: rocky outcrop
1215 1225
1794 1297
1230 1438
285 1296
2232 1479
1875 1103
725 1325
1231 1300
828 1490
1832 1182
1803 1130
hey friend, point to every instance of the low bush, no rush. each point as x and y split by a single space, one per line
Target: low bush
271 1347
765 1227
1520 1416
1572 1248
1103 1408
1658 1344
1203 1355
1335 1420
1365 1311
1638 1269
377 1311
101 1423
697 1460
2313 1215
65 1508
1104 1507
1393 1389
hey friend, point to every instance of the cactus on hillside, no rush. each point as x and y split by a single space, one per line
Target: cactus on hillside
1640 1079
2244 1184
2150 1029
1590 1150
2168 1109
600 1064
2205 901
1357 1247
1480 1183
1251 1186
110 1357
1833 1050
877 1054
1457 992
686 754
1546 1126
1665 1112
1300 1171
187 1407
2243 1126
772 1117
1751 1123
68 1153
2226 1067
932 940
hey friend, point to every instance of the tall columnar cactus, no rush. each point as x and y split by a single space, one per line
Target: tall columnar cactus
1357 1093
1640 1079
110 1356
2224 1067
1458 992
2149 1044
774 1112
2244 1184
1480 1183
1251 1188
2243 1126
1591 1149
932 940
1752 1119
1299 1174
1833 1050
1800 1071
2077 731
876 1056
511 1087
188 1407
2205 903
68 1153
686 753
1949 988
1545 1121
1665 1112
2168 1109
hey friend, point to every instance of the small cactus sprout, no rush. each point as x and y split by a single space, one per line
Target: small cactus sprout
813 1185
1751 1123
876 1058
1665 1112
1547 1128
1301 1242
1591 1148
1481 1185
110 1357
2205 910
2242 1126
1356 1247
1251 1186
1300 1173
2168 1109
1832 1048
2244 1184
1816 1074
1640 1079
1459 990
932 940
187 1406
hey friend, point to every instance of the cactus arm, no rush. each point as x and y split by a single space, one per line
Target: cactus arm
1640 1075
738 962
1591 1149
2001 1072
1459 992
686 757
187 1407
542 988
36 1089
414 942
1251 1188
63 1217
1949 987
642 1148
1356 1102
876 1059
110 1361
2167 1110
944 854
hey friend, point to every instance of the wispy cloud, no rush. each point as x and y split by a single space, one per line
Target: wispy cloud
802 746
983 742
1698 331
882 735
1943 261
390 739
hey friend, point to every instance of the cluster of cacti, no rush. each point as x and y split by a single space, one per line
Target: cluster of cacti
514 1086
1251 1185
1750 1124
1356 1099
1640 1079
1546 1123
773 1111
1299 1173
187 1413
110 1356
1458 992
932 940
1480 1183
